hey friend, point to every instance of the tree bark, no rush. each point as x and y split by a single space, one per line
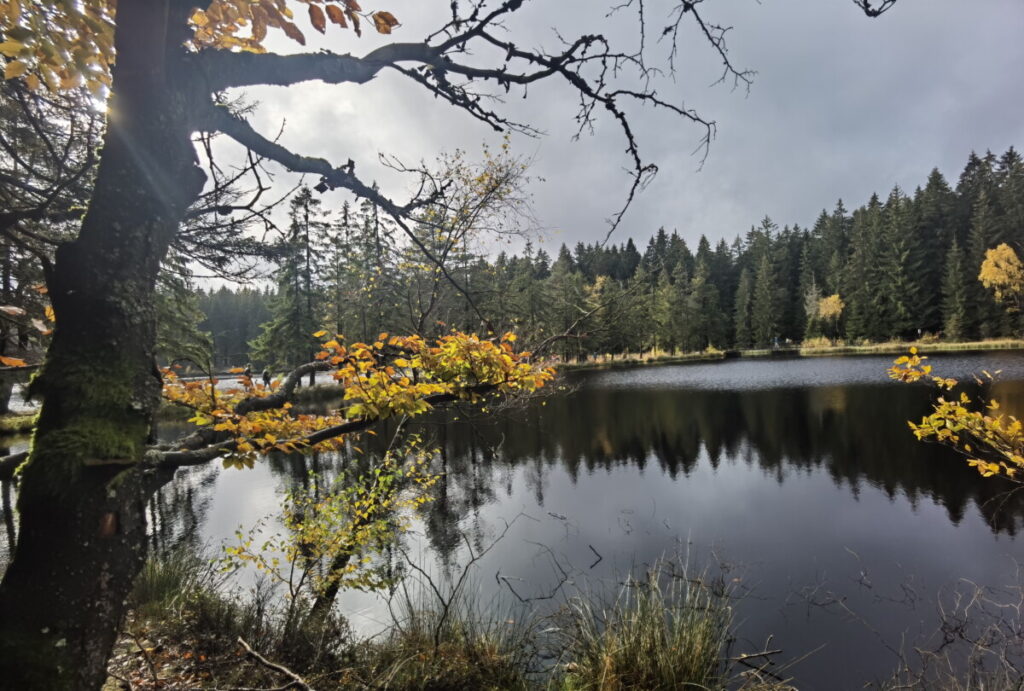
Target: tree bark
6 391
82 498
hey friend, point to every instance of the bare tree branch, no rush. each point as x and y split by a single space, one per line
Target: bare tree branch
873 8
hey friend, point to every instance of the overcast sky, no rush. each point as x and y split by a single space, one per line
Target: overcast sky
841 106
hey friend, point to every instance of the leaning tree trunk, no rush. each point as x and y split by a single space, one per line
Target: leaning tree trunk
82 497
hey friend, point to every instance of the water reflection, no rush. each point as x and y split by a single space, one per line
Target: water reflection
814 482
855 433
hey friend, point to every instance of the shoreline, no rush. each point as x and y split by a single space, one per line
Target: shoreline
16 423
21 423
893 348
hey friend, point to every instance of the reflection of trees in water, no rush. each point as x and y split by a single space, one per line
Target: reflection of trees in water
8 538
179 509
856 433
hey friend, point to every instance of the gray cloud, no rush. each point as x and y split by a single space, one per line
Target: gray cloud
842 106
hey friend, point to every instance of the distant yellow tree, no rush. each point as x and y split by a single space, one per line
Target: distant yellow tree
830 308
1003 273
991 441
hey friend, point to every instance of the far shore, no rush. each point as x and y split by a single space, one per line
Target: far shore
713 355
21 423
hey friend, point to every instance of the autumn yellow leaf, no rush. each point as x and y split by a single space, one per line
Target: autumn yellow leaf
11 48
15 68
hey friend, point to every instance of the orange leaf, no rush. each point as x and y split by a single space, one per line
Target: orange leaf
259 24
352 6
292 32
12 362
236 370
336 15
355 20
384 21
317 18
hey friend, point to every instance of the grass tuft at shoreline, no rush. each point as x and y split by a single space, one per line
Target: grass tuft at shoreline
17 423
661 630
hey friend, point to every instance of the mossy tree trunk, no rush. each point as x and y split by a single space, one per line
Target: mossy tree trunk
82 497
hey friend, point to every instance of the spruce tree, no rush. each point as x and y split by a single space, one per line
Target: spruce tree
630 259
742 310
808 294
679 294
1010 177
724 276
661 313
287 339
338 279
763 314
935 230
987 317
678 253
900 268
703 323
956 301
786 254
978 175
863 278
566 291
836 237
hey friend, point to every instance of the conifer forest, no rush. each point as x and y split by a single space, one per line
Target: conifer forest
904 264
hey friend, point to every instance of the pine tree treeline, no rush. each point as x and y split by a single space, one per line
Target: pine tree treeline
902 266
233 319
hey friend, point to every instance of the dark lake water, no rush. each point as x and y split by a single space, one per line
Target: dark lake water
839 531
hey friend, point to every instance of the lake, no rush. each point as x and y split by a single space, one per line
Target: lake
839 532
